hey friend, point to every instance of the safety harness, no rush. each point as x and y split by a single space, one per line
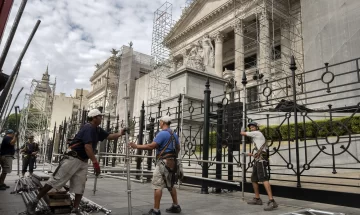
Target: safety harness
169 158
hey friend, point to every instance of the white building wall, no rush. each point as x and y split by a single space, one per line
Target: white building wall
331 32
62 109
141 87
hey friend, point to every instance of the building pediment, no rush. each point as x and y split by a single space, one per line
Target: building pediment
198 12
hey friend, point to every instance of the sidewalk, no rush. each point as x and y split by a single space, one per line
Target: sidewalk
111 194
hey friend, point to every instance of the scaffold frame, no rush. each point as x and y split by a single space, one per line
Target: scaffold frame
36 115
273 33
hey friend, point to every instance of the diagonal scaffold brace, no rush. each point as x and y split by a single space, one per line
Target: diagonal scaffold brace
127 158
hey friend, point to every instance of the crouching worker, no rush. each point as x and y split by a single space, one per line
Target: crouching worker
259 173
166 172
73 166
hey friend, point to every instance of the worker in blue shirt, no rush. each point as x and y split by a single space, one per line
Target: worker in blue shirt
167 148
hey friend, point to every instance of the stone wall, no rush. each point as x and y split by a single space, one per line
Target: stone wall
331 32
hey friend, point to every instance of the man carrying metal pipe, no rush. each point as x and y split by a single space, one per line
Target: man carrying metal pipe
259 173
7 152
73 166
167 147
29 151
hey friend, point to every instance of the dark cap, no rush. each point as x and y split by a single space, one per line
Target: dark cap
10 131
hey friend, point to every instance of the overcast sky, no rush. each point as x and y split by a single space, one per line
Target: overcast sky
74 35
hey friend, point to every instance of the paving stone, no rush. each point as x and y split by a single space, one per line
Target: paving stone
111 193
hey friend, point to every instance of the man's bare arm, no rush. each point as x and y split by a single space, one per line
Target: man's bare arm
243 133
151 146
116 135
90 152
13 141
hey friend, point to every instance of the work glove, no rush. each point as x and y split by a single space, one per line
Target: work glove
125 130
96 168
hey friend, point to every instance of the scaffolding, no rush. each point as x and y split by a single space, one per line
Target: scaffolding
159 85
36 113
271 35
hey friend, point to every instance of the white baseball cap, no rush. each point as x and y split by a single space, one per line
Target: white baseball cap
95 112
166 119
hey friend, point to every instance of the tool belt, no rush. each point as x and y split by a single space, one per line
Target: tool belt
75 155
29 155
169 162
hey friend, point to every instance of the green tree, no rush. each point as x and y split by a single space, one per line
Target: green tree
11 122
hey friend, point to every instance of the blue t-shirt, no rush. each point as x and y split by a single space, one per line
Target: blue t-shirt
162 139
88 134
6 147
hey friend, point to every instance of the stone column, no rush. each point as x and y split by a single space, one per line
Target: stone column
219 41
264 44
264 55
239 51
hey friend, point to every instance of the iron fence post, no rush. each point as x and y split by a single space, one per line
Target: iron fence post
113 162
141 138
63 136
17 140
293 69
230 122
53 144
205 168
243 166
151 137
107 141
179 115
219 130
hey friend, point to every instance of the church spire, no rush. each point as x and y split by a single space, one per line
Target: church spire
46 76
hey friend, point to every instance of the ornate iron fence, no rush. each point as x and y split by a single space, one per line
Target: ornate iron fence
312 130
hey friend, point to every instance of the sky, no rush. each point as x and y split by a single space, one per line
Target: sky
74 35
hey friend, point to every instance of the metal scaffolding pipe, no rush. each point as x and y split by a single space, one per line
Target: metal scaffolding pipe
127 159
12 33
9 82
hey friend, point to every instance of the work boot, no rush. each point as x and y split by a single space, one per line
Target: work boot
5 186
255 201
31 206
270 205
152 212
174 209
75 212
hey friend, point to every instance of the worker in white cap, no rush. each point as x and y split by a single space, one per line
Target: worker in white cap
74 165
167 148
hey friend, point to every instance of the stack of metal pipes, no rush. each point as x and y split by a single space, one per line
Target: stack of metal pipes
25 185
89 206
42 207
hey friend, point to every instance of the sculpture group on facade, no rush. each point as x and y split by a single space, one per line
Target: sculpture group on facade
201 55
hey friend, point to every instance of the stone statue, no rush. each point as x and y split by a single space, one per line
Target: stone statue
97 66
114 51
207 51
194 58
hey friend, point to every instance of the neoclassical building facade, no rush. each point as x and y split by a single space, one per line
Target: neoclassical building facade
104 86
221 39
